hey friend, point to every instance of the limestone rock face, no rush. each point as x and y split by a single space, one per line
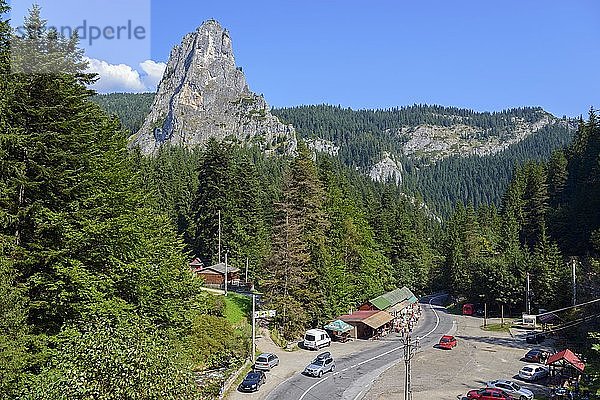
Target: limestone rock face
203 94
387 169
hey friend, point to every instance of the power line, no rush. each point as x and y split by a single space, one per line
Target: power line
568 308
574 323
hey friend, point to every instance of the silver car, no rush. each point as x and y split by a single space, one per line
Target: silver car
512 389
533 372
320 365
266 361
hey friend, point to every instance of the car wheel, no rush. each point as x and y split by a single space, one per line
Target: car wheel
328 343
523 398
320 374
332 368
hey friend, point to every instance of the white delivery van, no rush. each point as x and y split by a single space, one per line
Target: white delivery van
315 339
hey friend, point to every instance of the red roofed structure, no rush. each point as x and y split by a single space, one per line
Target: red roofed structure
196 264
566 360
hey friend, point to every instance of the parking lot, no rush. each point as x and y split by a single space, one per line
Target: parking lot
480 356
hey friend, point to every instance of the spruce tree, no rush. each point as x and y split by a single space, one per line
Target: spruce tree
298 248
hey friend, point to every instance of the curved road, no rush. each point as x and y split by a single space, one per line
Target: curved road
354 374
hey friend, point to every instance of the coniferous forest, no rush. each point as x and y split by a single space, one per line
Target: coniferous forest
98 300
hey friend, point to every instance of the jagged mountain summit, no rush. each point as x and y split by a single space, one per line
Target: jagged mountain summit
203 94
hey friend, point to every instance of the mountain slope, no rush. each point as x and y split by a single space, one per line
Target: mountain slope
475 168
446 154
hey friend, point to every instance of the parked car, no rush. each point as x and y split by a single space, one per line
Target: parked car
533 372
252 381
535 337
536 355
447 342
316 339
322 364
266 361
511 388
488 394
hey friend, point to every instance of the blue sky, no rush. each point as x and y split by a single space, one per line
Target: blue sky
485 55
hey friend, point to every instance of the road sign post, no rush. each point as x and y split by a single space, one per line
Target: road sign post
256 315
253 327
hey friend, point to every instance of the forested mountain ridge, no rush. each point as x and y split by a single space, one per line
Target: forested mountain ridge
131 108
470 157
421 132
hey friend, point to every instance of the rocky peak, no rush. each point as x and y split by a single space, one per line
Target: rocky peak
203 94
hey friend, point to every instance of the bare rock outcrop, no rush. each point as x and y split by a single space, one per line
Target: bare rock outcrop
203 94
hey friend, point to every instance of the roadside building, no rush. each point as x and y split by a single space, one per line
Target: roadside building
196 264
214 276
401 303
368 324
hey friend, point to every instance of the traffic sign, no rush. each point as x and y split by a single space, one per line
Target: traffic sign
265 314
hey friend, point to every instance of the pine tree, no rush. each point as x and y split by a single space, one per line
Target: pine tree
286 283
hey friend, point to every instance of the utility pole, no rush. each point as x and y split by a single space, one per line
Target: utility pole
502 313
253 327
410 348
574 281
527 297
219 251
484 314
226 273
246 269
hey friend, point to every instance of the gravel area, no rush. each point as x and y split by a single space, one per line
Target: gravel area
448 374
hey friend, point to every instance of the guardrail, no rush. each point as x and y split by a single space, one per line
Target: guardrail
233 378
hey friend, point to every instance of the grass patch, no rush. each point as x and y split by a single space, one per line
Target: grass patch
496 327
238 308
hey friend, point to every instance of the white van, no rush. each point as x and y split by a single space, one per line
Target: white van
315 339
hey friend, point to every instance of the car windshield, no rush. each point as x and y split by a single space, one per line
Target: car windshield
444 340
310 338
515 386
318 363
527 369
252 376
261 359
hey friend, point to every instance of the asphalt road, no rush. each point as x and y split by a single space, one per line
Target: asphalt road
354 374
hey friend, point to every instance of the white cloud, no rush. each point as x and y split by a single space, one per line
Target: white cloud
154 72
123 78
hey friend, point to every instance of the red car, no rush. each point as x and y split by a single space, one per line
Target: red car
447 342
488 394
